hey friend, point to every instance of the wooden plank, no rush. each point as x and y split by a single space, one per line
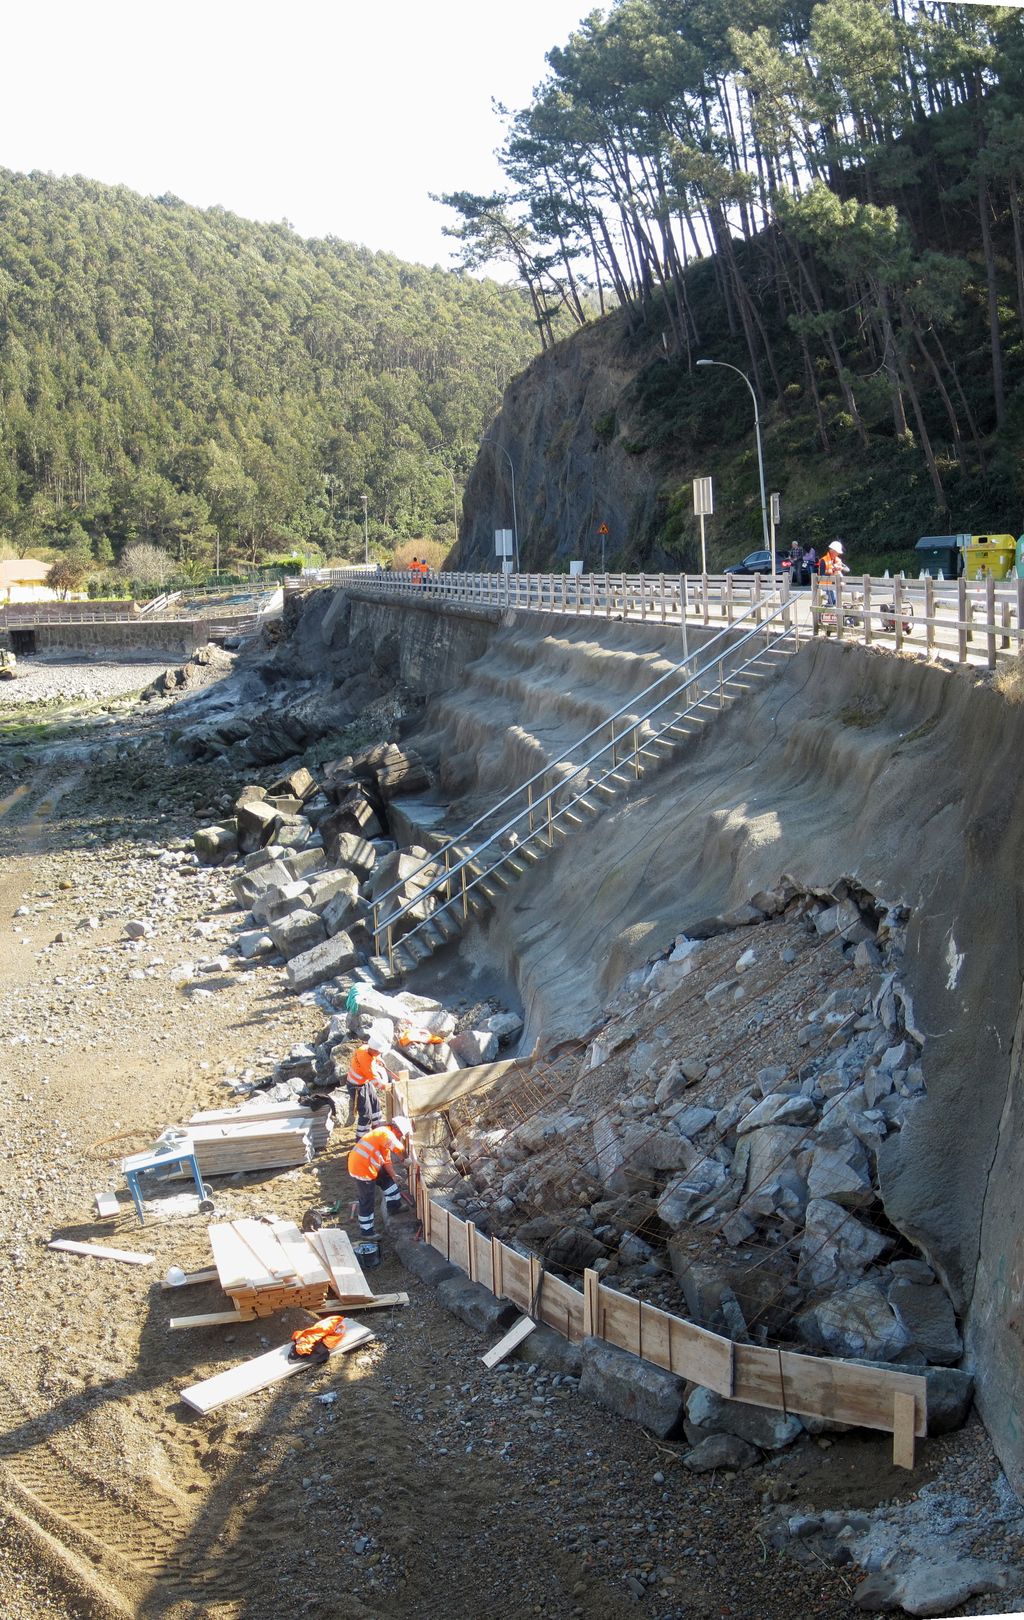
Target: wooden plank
335 1249
190 1278
211 1319
237 1266
308 1266
379 1302
903 1419
668 1341
261 1372
515 1271
264 1245
818 1387
515 1335
458 1243
561 1308
97 1252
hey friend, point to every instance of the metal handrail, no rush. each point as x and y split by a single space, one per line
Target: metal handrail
544 804
758 608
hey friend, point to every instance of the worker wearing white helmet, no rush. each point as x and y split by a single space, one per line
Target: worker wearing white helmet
366 1073
833 567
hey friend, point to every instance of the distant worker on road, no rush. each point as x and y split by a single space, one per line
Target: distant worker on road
369 1165
833 568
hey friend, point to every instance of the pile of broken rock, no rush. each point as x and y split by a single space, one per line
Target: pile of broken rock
753 1194
314 858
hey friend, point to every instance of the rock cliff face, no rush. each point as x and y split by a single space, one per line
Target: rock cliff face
566 424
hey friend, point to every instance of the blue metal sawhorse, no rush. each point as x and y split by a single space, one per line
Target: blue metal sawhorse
161 1157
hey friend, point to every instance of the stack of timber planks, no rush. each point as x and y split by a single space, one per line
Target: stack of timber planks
275 1136
266 1268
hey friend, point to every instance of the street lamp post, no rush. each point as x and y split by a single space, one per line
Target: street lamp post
366 531
515 526
769 540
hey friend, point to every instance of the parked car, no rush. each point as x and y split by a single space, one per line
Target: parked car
756 562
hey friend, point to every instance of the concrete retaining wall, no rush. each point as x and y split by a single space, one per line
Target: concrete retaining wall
177 638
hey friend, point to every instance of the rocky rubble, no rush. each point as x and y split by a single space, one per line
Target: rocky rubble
744 1193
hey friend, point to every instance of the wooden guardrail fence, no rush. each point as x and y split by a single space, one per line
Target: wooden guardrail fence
962 621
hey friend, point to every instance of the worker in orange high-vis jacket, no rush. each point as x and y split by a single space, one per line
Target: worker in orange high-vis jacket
369 1165
366 1073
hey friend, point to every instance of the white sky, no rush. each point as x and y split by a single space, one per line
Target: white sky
338 117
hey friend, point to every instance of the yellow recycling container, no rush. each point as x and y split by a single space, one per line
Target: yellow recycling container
990 556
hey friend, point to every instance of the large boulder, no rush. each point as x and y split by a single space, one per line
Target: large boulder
474 1046
926 1311
326 886
708 1413
297 933
278 899
779 1108
250 884
858 1321
633 1388
322 962
215 844
686 1195
347 849
836 1246
256 822
840 1170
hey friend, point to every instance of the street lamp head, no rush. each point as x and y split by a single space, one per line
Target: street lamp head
707 362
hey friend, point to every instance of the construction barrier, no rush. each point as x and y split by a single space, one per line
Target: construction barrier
806 1386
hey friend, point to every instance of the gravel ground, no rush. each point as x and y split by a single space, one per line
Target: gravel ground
429 1486
45 680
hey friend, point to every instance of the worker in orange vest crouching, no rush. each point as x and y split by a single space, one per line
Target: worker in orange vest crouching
366 1073
369 1165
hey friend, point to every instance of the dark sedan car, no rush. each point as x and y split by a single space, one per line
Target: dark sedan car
756 562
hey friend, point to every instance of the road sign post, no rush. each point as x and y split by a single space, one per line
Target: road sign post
775 513
602 529
703 506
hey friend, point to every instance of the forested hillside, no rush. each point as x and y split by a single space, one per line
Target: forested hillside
828 197
174 375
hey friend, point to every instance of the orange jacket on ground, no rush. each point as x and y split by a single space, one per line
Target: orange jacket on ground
366 1065
329 1332
373 1153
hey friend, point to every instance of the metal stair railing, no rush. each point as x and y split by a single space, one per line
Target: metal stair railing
760 610
459 879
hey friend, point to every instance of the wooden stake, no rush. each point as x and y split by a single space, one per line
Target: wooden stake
903 1422
591 1286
